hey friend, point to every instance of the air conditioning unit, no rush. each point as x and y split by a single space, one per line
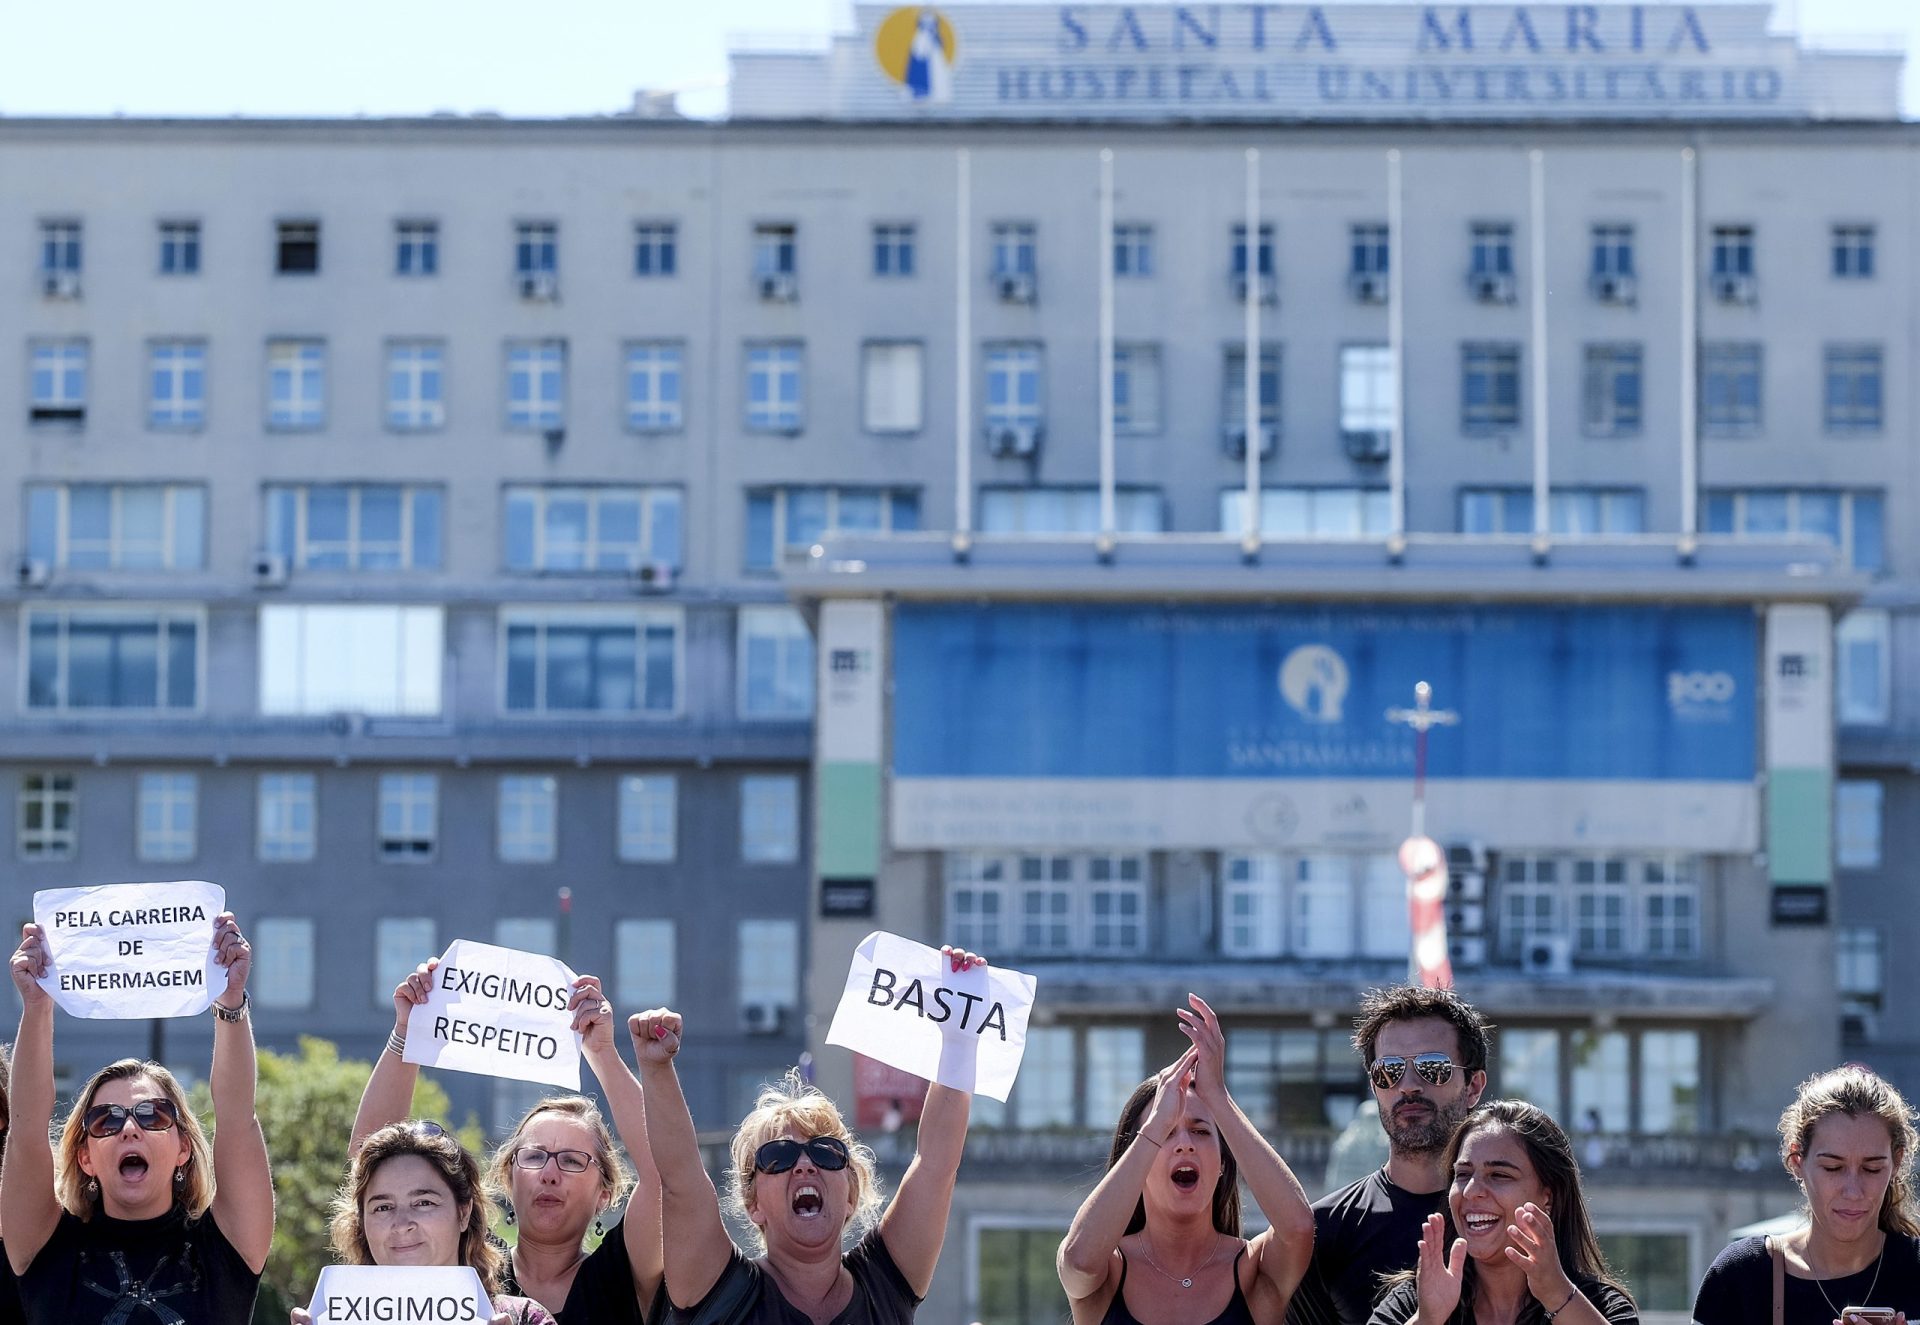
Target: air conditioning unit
1016 287
348 724
761 1018
1491 287
1614 289
270 570
779 288
1465 950
1366 446
1547 954
60 284
1731 289
1466 917
1019 440
1368 287
1266 285
1234 440
539 286
33 573
652 576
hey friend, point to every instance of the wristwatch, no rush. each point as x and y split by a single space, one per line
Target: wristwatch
233 1014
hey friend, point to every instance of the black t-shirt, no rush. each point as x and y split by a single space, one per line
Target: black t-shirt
11 1312
1738 1289
602 1292
1361 1234
745 1294
1403 1304
161 1271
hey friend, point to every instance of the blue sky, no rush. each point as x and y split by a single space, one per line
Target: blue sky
388 57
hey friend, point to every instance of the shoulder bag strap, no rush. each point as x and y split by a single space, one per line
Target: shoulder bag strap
1779 1259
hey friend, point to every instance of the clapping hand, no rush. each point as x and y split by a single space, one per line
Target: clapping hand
1441 1274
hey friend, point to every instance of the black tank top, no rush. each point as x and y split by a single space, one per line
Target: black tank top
1236 1312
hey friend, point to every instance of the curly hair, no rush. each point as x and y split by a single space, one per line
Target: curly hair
1379 1007
790 1104
458 1169
616 1179
70 1180
1859 1093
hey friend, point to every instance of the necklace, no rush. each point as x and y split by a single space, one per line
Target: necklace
1187 1282
1878 1261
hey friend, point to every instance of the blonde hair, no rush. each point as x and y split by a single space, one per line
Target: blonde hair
790 1104
1858 1093
616 1179
70 1181
458 1169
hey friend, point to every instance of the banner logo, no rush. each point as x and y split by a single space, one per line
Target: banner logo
915 47
1314 681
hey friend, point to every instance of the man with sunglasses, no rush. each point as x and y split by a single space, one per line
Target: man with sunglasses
1426 1057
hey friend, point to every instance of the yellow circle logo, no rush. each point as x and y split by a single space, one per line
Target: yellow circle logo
915 48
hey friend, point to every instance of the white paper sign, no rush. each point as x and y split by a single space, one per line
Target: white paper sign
498 1012
905 1005
131 949
420 1293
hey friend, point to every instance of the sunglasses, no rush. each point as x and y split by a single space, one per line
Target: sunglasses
105 1120
570 1161
826 1152
1434 1069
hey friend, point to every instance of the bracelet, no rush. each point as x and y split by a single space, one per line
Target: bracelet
1564 1305
232 1014
396 1044
1144 1137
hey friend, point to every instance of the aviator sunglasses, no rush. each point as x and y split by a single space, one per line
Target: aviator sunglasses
1434 1069
105 1120
826 1152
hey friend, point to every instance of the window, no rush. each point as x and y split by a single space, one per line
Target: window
296 248
1853 394
643 964
1864 682
1116 904
283 970
400 943
774 661
1386 924
177 377
118 526
654 386
1853 522
1368 247
1018 1284
775 250
1530 897
127 659
1013 386
773 387
1669 1082
893 244
892 375
607 530
359 527
1050 904
589 661
770 819
179 248
1853 252
1611 399
1529 1066
49 807
1856 824
1069 511
1044 1095
1571 512
655 248
1489 387
785 521
1656 1264
166 816
1669 892
1263 257
1733 250
416 248
1612 906
536 384
1133 250
318 659
296 384
1136 389
409 816
1860 965
527 934
1600 906
1730 401
1368 389
287 816
1320 920
1116 1058
528 818
1015 250
1602 1086
59 382
60 248
1613 250
1492 248
416 385
1294 1077
1310 512
977 897
649 819
536 248
769 972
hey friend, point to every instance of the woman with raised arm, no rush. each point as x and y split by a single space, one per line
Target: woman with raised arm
559 1171
803 1182
132 1215
1527 1250
1158 1242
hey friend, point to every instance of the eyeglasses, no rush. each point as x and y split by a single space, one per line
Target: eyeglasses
105 1120
826 1152
1385 1072
535 1158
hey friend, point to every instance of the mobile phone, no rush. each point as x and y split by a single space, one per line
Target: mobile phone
1869 1316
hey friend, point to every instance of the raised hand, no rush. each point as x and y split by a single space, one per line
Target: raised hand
1440 1275
1530 1245
960 959
656 1035
592 1014
232 951
1210 1051
411 992
29 964
1169 1099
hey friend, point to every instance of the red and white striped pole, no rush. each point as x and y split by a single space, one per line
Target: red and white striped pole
1421 858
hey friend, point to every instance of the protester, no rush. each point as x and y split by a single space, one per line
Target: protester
11 1311
560 1172
803 1182
1170 1203
1426 1057
1526 1243
1848 1140
114 1216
